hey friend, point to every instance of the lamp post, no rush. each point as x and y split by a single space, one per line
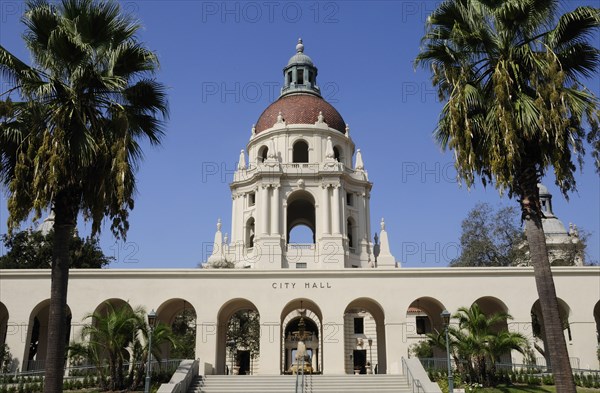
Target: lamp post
151 323
446 319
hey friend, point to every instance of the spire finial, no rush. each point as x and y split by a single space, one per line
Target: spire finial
360 165
300 46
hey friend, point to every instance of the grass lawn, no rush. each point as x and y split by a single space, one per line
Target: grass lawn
531 389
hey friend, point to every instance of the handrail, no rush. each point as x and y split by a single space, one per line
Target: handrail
414 383
180 383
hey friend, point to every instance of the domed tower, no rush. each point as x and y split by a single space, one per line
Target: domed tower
299 171
564 247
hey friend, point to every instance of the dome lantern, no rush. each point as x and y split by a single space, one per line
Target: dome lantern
300 74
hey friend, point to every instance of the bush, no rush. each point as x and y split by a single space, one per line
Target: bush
548 379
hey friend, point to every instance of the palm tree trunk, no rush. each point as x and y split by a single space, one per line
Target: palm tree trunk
64 223
553 329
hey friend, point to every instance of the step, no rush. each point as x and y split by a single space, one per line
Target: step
313 384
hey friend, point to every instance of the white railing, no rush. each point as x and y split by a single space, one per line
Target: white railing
415 384
300 246
182 378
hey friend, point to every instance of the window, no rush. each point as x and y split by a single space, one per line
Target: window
336 154
300 76
250 233
251 199
300 152
263 154
350 237
349 200
359 325
311 77
301 265
421 325
289 77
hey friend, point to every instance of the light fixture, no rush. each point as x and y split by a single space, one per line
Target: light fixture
446 320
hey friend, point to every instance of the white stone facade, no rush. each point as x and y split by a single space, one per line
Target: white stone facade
303 170
329 296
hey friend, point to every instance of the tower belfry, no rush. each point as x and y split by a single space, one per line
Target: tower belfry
300 172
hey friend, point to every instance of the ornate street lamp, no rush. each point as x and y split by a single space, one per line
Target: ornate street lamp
446 320
151 324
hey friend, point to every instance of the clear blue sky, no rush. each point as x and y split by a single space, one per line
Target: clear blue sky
222 62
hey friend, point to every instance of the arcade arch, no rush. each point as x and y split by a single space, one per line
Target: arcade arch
300 211
37 336
180 316
238 318
364 337
311 316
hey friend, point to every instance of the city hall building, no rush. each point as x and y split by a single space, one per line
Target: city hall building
358 307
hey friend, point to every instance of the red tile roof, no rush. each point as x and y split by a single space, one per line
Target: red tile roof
300 109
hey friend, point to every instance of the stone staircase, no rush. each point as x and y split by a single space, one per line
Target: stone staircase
287 384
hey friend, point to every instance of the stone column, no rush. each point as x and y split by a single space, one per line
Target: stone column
275 207
362 225
368 214
326 210
336 210
270 341
263 199
334 355
234 224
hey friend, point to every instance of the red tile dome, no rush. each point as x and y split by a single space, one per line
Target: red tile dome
300 109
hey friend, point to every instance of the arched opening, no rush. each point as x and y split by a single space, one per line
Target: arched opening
300 211
238 338
180 315
37 336
489 306
537 327
300 152
305 313
301 234
364 338
351 233
597 319
250 232
423 316
262 154
3 323
560 262
338 153
104 308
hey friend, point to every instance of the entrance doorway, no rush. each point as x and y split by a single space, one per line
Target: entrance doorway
243 360
360 360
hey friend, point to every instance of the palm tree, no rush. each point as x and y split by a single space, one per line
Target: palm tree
161 334
71 140
109 335
486 339
509 72
479 341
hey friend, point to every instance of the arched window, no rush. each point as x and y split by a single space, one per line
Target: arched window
301 212
250 231
337 154
300 153
262 154
301 234
351 235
